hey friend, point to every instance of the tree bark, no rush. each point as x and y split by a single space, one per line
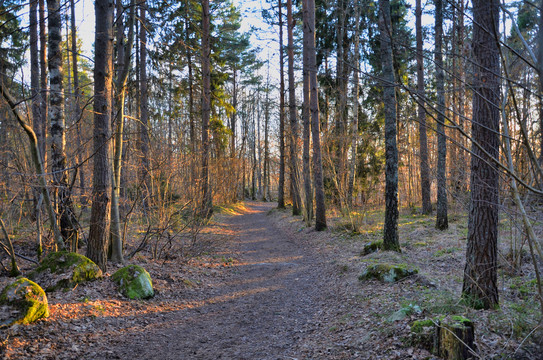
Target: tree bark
103 66
123 67
354 128
390 240
41 137
77 105
480 274
423 138
207 199
144 111
281 186
306 166
57 119
296 201
320 207
442 222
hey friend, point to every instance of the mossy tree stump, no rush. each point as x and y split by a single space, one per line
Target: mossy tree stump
454 338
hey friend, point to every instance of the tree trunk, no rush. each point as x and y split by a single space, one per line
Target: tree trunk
56 115
306 166
207 199
266 193
35 71
423 138
296 201
192 125
77 105
43 86
103 66
281 186
390 241
354 129
442 222
480 274
320 208
144 111
123 67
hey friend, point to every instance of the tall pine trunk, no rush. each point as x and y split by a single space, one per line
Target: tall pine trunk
480 288
294 188
354 126
390 241
281 185
207 199
306 117
423 138
101 187
320 208
442 221
123 67
144 111
43 85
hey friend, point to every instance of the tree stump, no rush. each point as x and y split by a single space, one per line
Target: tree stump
454 338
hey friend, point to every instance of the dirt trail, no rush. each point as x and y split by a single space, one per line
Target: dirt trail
259 313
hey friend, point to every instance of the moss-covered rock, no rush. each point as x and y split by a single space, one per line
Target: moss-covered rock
387 272
134 282
372 247
64 269
22 302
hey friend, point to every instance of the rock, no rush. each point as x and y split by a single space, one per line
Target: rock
22 302
372 247
64 270
454 338
387 273
134 282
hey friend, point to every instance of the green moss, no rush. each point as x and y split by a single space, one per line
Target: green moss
27 298
372 247
388 273
134 282
64 269
419 325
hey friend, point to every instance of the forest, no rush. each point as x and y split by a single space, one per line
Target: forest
265 179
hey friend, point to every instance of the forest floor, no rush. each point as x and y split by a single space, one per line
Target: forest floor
267 287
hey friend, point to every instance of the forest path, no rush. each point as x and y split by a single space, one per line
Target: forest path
273 291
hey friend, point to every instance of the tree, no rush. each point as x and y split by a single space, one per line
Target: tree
144 109
320 207
101 188
480 288
442 222
123 66
390 241
294 188
207 199
306 117
423 138
57 119
281 185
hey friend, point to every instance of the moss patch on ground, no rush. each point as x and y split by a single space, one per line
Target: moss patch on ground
387 272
